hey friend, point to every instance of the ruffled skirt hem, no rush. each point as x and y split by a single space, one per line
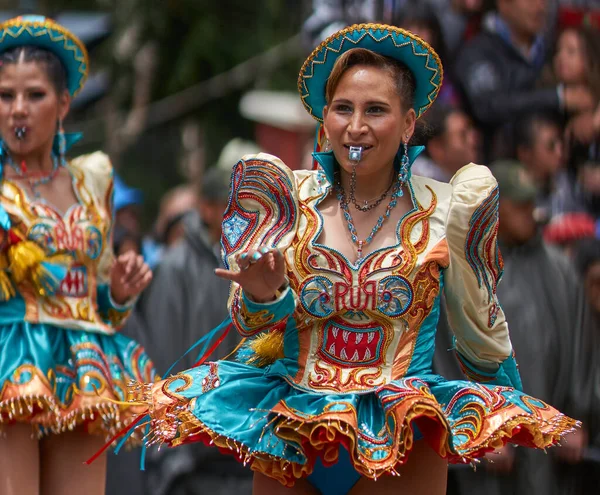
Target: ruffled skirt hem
58 379
46 416
281 431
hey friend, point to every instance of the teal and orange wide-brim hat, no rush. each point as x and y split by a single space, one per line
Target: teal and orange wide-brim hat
45 33
390 41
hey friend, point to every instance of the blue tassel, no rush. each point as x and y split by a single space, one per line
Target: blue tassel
144 449
123 441
206 340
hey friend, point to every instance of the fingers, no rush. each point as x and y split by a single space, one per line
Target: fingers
227 274
252 259
131 269
138 275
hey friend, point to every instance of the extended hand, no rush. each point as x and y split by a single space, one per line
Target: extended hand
128 277
262 272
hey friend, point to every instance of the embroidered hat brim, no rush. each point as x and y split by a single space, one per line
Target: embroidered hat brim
389 41
45 33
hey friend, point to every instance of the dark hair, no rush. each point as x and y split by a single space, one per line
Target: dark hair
590 38
55 70
435 121
405 80
587 252
420 13
525 129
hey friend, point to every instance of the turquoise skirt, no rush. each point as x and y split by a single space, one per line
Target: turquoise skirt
262 418
57 379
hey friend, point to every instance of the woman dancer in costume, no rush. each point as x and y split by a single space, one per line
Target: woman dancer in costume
62 295
337 279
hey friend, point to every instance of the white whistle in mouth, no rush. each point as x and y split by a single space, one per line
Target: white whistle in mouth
355 153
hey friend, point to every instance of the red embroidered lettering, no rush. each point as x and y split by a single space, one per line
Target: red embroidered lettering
370 289
340 290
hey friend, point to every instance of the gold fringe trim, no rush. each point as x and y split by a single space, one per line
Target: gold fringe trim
174 424
47 416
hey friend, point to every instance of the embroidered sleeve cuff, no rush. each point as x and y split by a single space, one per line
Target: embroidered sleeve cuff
507 374
110 311
251 317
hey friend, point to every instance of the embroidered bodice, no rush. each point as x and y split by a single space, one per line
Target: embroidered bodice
81 238
353 328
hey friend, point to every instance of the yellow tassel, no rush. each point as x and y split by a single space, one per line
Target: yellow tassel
7 289
23 257
267 347
27 260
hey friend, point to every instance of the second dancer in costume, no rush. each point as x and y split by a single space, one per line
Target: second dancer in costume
63 296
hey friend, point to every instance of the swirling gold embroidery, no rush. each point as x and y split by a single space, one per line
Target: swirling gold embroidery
257 319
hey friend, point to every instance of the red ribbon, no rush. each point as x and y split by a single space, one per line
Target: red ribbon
124 431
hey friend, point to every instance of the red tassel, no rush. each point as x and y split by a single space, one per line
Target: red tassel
204 357
124 431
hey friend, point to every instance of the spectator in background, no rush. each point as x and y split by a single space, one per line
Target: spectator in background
174 206
584 478
498 70
459 20
538 139
128 204
185 299
420 18
124 241
577 65
451 143
544 303
329 16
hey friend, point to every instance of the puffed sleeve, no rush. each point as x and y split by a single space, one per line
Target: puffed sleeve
262 210
97 173
483 346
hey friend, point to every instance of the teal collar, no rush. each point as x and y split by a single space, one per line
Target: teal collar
329 164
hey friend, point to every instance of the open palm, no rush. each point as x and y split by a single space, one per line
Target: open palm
261 273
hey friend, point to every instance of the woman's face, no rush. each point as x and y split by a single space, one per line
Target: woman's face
570 60
28 99
366 111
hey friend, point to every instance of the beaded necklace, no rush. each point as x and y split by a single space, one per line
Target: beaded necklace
34 181
341 196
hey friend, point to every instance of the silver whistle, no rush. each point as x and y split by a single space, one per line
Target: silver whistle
20 133
355 153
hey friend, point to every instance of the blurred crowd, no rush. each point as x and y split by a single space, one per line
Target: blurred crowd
521 94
